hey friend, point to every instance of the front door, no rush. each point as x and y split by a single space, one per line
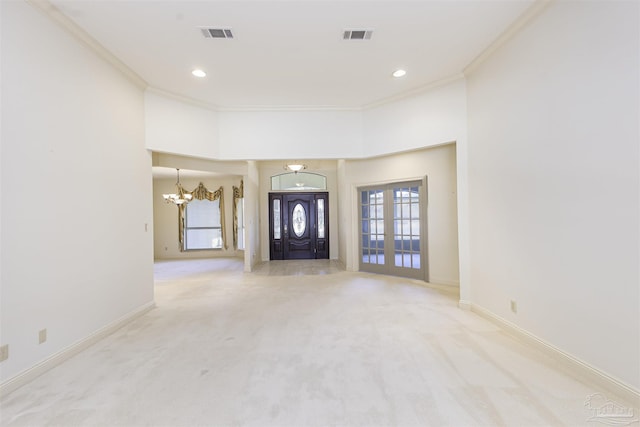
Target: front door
298 226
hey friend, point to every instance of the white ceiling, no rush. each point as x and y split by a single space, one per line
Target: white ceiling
291 53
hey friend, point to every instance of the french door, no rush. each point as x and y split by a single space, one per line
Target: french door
298 225
392 224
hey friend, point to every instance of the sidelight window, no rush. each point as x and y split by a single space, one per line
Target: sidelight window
320 216
276 219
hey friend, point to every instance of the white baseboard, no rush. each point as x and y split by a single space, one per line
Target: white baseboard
440 281
50 362
579 367
465 305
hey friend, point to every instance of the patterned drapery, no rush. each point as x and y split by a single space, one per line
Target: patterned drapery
238 193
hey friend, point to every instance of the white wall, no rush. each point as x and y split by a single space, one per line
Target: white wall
554 187
290 134
1 162
426 119
253 243
439 165
75 252
430 118
344 213
177 127
165 217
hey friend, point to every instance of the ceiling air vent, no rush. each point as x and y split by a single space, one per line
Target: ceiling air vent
357 34
217 33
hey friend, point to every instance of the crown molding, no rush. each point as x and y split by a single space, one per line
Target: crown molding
85 38
408 94
416 91
287 108
81 35
246 108
185 99
518 25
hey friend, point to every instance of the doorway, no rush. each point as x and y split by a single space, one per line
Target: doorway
392 229
299 225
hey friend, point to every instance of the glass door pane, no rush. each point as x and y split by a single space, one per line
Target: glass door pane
395 208
406 230
372 226
320 217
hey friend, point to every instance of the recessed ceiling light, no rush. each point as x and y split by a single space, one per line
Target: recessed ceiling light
399 73
199 73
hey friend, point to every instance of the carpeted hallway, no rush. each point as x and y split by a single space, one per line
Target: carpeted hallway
302 343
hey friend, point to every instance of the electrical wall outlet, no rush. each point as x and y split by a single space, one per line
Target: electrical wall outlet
514 306
42 336
4 352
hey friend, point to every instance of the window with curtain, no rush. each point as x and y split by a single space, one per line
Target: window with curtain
201 221
202 226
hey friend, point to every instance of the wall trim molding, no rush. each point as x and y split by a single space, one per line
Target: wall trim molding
249 108
568 361
415 92
53 13
67 353
184 99
445 282
306 108
464 305
285 108
523 20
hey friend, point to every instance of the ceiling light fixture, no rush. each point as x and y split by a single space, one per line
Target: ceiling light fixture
295 167
182 197
399 73
199 73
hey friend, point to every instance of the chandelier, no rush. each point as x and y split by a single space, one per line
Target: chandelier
182 197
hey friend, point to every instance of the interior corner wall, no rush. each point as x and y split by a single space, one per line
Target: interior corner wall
252 216
430 118
438 164
273 135
344 211
165 218
1 197
426 119
554 186
178 127
76 253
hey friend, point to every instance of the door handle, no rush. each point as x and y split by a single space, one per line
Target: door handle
285 230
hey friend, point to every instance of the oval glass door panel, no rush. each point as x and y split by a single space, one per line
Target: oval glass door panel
299 220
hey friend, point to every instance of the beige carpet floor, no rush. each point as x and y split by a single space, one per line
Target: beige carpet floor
304 344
